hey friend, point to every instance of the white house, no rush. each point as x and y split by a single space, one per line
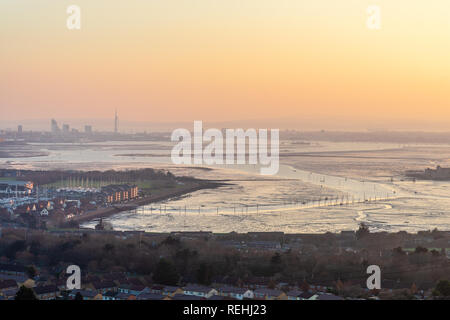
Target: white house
199 291
270 294
236 293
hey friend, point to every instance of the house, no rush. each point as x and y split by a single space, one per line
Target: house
16 188
7 284
306 295
199 291
236 293
270 294
318 288
118 193
150 296
171 291
164 290
157 288
125 296
326 296
9 294
19 279
219 298
294 295
134 289
46 292
179 296
86 294
110 295
13 269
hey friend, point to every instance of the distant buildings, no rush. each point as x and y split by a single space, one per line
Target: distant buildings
102 225
11 188
199 291
54 127
13 269
118 193
88 129
439 173
66 131
116 123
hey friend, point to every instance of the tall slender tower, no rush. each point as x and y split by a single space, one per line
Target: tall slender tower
116 123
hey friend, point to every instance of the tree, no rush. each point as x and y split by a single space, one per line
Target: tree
442 289
362 231
35 247
276 259
108 248
13 248
420 249
78 296
166 273
25 293
304 286
399 251
171 241
31 272
204 274
272 284
275 263
435 253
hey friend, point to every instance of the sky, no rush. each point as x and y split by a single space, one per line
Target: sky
301 64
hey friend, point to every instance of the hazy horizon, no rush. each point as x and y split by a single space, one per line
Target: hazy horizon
289 64
306 125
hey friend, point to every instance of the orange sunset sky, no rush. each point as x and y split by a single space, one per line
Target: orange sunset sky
211 60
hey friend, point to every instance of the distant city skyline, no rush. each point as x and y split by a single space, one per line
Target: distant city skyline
128 126
303 64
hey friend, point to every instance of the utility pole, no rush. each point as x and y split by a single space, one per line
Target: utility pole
116 123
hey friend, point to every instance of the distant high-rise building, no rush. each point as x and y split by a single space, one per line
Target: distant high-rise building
66 128
116 123
88 129
54 127
19 129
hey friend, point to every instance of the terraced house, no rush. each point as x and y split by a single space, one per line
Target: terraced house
119 193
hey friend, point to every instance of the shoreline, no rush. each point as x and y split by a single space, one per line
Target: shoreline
22 154
130 205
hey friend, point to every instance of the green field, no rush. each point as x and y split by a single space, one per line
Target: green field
153 186
79 184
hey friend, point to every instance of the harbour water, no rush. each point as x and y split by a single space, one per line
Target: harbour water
320 187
